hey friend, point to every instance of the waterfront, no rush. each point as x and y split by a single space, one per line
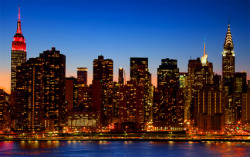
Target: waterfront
123 148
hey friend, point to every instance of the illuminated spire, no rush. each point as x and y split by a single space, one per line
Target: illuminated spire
204 57
228 40
228 44
204 47
19 40
18 13
19 31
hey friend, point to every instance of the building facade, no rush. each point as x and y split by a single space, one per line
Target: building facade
103 90
5 120
40 93
170 111
139 73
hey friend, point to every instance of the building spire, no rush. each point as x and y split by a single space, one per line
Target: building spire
18 13
228 39
204 57
19 31
204 47
19 40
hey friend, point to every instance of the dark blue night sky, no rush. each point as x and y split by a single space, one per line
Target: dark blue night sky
121 29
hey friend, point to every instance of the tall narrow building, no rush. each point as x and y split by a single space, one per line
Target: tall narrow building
139 73
121 78
200 75
103 89
170 111
228 63
83 89
18 52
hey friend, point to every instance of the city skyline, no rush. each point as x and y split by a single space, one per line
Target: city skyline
134 39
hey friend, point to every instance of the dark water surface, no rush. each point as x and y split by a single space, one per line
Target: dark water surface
122 148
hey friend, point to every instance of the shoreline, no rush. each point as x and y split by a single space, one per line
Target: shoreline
131 139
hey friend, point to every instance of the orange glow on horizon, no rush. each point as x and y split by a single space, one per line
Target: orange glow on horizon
5 81
115 78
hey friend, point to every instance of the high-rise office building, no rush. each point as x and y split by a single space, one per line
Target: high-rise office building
103 70
217 82
168 73
18 55
183 79
5 119
131 110
40 92
170 112
82 76
206 99
54 87
139 73
209 109
139 70
71 93
117 97
228 63
246 106
103 89
200 75
29 102
120 76
84 96
239 86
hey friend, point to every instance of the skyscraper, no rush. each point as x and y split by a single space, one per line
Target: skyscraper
40 92
18 52
103 89
121 77
29 101
200 75
209 109
4 111
139 73
71 93
103 70
168 73
170 112
131 110
83 89
228 63
54 85
246 105
82 76
139 70
240 87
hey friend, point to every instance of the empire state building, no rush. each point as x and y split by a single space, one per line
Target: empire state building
18 52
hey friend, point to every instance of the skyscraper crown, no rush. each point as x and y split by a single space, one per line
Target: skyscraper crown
19 40
228 40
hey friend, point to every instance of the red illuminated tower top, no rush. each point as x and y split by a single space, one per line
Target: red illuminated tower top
18 43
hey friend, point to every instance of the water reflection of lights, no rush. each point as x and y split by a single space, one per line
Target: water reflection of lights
171 143
103 142
128 142
208 142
